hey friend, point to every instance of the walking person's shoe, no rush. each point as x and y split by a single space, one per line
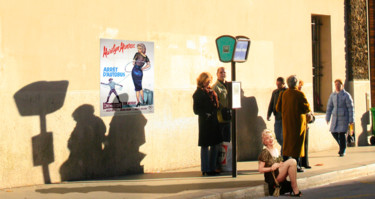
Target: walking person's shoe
300 170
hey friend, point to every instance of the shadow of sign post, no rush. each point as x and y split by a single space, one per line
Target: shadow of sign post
41 98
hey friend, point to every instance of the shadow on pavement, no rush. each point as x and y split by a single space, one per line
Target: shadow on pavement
151 189
172 175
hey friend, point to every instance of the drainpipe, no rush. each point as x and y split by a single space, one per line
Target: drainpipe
368 94
368 39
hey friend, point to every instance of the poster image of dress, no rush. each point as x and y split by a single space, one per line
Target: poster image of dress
126 77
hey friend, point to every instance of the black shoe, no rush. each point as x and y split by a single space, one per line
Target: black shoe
342 154
214 173
217 172
292 194
138 104
307 167
300 170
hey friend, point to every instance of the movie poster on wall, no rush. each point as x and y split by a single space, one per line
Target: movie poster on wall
126 77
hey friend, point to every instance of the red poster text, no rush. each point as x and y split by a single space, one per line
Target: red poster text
116 49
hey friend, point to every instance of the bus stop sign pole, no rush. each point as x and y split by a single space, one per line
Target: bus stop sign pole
234 130
233 49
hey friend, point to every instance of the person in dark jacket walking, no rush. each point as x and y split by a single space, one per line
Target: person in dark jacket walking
205 106
278 128
340 107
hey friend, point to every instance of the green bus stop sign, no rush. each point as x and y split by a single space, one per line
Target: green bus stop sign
225 46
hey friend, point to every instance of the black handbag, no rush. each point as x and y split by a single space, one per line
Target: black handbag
226 113
351 140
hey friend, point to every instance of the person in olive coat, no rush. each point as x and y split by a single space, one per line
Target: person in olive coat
293 106
205 106
221 90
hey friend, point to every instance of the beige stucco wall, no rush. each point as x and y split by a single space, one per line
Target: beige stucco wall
362 104
59 40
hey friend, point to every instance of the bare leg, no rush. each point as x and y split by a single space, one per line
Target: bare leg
289 168
137 92
142 96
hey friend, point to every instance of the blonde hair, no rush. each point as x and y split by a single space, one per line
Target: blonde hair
203 78
143 47
300 82
300 85
265 133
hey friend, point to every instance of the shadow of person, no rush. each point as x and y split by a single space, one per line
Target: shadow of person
362 138
85 144
249 129
126 135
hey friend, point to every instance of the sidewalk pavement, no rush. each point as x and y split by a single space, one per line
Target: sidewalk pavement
188 183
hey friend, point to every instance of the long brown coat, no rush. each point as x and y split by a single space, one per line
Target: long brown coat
293 106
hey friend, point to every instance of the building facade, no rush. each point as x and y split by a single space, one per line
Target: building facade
49 50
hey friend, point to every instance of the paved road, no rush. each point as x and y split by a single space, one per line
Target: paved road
363 187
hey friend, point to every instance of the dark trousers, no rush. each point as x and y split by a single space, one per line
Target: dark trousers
224 129
279 133
305 160
341 140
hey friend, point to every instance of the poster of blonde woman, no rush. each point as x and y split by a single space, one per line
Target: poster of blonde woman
126 77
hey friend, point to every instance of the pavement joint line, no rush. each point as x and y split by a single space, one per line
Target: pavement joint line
303 183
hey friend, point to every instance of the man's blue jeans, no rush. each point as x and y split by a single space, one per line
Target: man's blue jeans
279 133
209 155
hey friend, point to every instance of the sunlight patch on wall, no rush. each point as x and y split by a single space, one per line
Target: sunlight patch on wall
110 33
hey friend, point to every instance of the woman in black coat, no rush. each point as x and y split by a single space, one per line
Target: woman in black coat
205 106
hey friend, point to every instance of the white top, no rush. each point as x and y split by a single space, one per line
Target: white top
274 152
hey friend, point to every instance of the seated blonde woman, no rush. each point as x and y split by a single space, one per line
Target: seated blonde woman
270 162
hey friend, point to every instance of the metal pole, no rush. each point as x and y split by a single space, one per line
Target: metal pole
234 131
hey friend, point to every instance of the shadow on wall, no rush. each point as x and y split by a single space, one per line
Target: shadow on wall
126 135
94 155
362 138
85 144
249 129
42 98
